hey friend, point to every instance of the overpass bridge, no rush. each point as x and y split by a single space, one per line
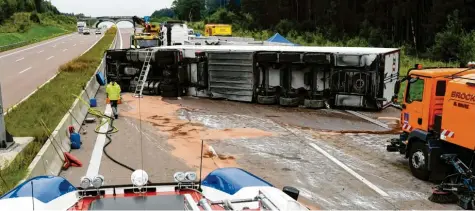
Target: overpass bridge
95 21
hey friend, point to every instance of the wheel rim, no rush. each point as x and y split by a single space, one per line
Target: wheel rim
418 160
359 84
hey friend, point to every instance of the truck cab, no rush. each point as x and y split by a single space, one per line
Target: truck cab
144 40
424 100
218 30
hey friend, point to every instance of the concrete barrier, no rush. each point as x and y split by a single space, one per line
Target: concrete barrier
49 159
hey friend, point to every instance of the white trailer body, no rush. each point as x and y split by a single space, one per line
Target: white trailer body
346 76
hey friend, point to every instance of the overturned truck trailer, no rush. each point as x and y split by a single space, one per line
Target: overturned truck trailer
315 77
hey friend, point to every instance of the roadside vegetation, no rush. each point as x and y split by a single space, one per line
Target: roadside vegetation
25 22
50 103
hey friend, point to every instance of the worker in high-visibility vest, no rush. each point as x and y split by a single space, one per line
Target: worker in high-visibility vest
113 93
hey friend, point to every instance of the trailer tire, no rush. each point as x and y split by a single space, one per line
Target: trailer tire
315 104
289 102
266 100
418 160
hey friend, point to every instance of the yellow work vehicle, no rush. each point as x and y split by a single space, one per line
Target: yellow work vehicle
149 37
218 30
144 40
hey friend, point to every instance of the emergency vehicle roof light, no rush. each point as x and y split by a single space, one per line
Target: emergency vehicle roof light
139 178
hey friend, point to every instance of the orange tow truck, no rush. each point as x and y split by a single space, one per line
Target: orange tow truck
437 120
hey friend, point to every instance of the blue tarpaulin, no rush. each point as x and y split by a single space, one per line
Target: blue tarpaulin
280 39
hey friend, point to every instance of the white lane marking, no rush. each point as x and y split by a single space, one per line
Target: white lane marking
96 156
65 50
20 59
49 57
13 53
92 46
41 51
120 37
52 77
24 70
54 46
369 119
349 170
63 42
74 45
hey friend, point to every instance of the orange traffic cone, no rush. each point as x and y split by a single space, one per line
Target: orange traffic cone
108 101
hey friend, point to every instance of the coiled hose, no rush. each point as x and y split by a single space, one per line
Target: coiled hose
113 129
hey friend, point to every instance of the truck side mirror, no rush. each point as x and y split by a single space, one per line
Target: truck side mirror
397 87
413 80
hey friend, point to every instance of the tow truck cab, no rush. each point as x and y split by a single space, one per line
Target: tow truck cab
427 108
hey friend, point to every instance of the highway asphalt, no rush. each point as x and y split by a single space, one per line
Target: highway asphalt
24 69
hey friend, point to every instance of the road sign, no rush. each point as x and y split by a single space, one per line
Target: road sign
147 19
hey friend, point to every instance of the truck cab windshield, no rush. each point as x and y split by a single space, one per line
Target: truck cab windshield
147 43
415 89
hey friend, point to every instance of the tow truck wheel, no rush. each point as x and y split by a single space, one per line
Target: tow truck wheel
418 161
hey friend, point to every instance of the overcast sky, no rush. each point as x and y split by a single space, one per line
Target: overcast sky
111 7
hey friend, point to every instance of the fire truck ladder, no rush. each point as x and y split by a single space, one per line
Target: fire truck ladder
143 74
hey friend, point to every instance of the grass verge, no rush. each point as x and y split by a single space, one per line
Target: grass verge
37 33
50 104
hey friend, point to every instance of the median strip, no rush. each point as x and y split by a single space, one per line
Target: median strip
49 103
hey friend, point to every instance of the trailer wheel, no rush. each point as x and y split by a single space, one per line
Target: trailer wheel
266 100
316 104
289 102
418 161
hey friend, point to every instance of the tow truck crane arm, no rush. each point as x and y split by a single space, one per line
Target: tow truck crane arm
147 27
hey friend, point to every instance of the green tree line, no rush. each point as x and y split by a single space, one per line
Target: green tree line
437 29
10 7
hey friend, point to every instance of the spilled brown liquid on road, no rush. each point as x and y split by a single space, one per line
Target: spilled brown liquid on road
185 136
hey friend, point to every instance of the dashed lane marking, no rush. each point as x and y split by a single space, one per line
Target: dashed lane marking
20 59
24 70
13 53
49 57
41 51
